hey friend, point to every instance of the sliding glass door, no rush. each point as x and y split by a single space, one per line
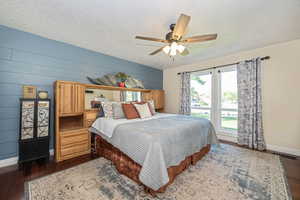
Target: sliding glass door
214 97
228 100
201 91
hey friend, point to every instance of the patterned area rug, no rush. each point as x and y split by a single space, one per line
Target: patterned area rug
227 172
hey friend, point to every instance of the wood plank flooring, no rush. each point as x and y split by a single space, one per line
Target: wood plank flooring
12 179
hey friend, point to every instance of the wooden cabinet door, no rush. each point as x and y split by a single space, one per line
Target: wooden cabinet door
79 92
159 98
66 98
147 96
71 98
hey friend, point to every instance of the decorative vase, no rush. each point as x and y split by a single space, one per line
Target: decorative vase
121 84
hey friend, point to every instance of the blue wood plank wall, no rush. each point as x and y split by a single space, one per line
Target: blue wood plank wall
27 59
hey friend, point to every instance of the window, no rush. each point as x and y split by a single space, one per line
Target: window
201 95
214 97
228 99
130 96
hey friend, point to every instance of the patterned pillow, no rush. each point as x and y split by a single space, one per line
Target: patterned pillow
143 110
107 109
143 102
152 107
118 112
130 111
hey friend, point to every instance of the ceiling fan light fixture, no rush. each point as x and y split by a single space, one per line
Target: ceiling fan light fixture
175 38
173 49
173 52
173 45
167 49
180 48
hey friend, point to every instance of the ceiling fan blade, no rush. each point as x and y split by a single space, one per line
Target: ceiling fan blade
151 39
185 52
180 26
156 51
147 45
200 38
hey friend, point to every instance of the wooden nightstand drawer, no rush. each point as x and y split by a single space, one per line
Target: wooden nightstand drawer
78 138
73 132
74 137
75 149
91 115
88 123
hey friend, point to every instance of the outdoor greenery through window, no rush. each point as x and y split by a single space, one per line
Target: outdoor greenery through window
214 97
229 100
201 95
131 96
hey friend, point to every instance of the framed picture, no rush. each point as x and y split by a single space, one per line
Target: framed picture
29 91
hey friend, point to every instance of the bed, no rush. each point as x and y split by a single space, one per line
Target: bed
155 150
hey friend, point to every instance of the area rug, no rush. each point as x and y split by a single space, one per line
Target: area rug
227 172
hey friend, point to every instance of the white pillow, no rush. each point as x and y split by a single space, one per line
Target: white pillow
143 110
118 112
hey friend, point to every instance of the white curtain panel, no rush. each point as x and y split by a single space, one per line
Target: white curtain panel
185 93
250 125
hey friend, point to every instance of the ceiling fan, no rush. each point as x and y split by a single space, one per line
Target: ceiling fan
175 40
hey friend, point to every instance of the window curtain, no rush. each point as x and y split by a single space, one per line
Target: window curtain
185 93
250 125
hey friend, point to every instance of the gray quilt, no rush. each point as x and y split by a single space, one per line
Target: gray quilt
157 144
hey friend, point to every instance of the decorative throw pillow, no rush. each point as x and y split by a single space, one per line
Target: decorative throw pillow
118 112
130 111
143 110
152 107
107 109
144 102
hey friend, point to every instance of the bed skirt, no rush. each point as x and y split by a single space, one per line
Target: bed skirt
131 169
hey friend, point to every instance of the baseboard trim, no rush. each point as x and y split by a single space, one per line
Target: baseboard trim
228 138
274 148
14 160
8 161
284 150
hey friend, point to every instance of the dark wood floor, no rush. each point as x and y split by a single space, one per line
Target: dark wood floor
12 179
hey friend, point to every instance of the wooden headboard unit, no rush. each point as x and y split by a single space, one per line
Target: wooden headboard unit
72 119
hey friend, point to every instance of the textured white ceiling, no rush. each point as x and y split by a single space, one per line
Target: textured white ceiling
109 26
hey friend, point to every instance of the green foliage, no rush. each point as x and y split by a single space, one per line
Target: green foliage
197 98
198 79
121 76
230 96
194 94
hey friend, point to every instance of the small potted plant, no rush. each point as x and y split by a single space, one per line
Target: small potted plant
122 77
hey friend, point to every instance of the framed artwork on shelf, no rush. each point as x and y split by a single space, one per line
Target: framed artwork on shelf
29 91
42 94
